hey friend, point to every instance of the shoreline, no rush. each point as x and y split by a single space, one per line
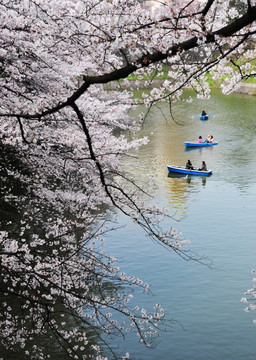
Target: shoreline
244 88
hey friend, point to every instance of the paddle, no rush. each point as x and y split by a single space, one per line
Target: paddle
199 115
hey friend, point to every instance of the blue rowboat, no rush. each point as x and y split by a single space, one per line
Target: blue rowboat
203 144
183 170
204 117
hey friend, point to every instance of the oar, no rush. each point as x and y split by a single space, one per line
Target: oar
199 115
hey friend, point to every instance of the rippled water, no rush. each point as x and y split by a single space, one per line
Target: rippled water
216 213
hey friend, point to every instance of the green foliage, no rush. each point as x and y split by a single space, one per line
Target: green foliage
163 74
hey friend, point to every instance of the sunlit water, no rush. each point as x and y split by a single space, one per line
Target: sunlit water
216 213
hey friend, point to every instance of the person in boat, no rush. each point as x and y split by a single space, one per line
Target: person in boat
189 165
204 113
203 167
199 140
208 139
211 140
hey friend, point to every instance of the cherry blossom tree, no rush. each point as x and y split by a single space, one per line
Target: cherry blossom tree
249 297
63 141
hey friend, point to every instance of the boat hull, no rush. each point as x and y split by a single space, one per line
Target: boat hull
189 144
205 117
183 170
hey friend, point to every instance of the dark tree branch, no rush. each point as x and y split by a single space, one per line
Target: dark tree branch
22 130
238 24
207 7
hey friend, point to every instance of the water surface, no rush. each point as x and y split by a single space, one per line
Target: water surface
216 213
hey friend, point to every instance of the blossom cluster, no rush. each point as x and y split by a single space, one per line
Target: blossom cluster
63 139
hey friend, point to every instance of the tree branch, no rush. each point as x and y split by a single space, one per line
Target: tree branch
145 61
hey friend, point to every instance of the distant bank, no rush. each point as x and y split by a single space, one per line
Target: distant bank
244 88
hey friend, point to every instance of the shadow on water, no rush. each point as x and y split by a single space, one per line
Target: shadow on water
199 148
187 177
187 149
